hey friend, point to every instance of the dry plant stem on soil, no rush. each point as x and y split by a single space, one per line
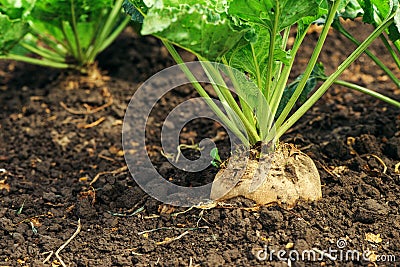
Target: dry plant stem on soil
87 112
78 229
117 171
283 176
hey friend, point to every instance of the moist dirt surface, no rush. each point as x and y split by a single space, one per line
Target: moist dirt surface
60 130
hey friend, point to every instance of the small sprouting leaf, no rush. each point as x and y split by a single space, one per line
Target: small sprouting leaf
214 154
216 162
19 211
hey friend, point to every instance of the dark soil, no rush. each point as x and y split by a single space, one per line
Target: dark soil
49 156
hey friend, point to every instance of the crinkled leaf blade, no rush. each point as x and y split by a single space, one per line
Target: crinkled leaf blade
11 32
351 10
376 11
252 11
199 27
294 11
263 12
16 9
134 12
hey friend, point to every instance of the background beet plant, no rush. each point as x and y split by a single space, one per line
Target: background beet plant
58 33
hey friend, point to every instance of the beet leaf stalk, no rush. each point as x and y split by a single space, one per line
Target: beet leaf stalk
251 37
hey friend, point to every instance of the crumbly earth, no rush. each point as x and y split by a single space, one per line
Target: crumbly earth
60 131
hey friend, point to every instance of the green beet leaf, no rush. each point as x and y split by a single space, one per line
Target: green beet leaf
252 57
375 11
11 32
16 9
351 9
264 12
13 25
134 12
55 11
202 27
51 17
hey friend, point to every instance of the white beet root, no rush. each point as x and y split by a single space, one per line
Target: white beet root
283 176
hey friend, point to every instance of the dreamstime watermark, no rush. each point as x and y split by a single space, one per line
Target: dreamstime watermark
151 92
336 254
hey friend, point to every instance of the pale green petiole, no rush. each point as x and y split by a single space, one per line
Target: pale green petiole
203 93
247 111
283 79
332 78
217 78
310 66
41 62
377 61
390 50
271 59
368 92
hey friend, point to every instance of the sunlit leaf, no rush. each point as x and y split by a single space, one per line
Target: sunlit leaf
198 26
